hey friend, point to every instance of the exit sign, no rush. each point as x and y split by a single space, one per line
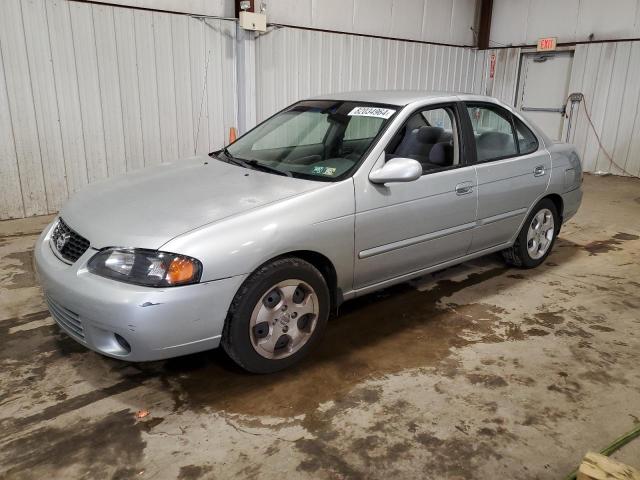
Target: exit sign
546 44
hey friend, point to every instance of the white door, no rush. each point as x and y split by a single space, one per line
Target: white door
543 89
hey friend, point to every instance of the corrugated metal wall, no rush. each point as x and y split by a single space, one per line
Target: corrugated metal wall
504 83
294 64
607 74
523 22
440 21
92 91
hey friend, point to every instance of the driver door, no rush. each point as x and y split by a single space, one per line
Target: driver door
401 228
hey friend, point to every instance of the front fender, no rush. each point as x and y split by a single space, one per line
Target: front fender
320 221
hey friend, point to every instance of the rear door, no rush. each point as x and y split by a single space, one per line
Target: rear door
401 228
513 170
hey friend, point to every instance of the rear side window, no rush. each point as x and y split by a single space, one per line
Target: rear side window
527 141
493 132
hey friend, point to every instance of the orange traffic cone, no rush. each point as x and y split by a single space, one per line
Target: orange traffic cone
232 134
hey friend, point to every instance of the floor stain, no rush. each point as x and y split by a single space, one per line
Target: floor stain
111 445
514 332
548 319
625 236
602 328
603 377
537 332
385 446
193 472
457 454
16 424
569 388
12 322
602 246
612 244
17 270
490 381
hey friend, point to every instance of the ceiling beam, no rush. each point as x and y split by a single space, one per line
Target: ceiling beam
484 27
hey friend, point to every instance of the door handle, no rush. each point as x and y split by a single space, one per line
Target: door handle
464 188
539 171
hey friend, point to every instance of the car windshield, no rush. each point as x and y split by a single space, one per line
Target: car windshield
314 139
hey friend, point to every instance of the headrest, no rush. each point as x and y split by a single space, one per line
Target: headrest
429 134
494 140
438 155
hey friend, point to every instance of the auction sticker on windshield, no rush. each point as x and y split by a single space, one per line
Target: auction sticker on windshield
376 112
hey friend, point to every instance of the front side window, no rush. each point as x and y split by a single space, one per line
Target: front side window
493 132
429 136
314 139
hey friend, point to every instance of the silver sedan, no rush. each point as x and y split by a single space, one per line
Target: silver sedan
252 246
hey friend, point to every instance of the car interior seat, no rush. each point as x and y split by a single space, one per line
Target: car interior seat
494 145
417 143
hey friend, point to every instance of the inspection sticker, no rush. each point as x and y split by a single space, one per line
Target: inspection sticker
376 112
330 171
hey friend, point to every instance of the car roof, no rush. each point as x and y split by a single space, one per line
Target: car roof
398 97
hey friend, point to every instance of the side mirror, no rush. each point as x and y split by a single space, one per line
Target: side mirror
397 170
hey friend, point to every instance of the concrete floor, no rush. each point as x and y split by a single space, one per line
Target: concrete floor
477 372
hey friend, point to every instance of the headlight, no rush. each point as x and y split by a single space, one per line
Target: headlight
146 267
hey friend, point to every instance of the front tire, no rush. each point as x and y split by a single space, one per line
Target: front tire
277 316
536 237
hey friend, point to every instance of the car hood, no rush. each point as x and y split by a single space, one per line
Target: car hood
148 208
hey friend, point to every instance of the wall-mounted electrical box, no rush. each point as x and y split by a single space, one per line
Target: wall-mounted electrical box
253 21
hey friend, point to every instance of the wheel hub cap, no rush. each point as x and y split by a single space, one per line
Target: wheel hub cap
284 319
540 234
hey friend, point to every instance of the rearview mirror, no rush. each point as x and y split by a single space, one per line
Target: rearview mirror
397 170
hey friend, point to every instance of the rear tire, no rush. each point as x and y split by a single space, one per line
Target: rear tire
536 237
277 316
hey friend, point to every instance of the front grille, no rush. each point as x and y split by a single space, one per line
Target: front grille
69 244
68 320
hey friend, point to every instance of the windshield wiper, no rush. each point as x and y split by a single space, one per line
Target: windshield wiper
252 164
267 168
231 158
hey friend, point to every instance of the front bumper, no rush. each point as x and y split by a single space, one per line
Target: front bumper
155 323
